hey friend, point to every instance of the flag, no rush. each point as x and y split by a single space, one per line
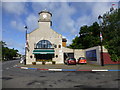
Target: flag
101 38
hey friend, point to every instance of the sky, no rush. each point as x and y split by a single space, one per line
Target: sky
67 18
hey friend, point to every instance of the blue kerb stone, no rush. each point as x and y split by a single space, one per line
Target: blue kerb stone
113 70
32 68
69 70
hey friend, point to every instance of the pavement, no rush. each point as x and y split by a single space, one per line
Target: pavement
63 67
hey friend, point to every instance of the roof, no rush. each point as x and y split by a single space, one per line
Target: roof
45 11
64 40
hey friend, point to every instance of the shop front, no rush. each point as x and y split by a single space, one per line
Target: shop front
43 54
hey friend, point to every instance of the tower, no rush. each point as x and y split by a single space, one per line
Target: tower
45 18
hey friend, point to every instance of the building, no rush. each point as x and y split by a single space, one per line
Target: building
45 44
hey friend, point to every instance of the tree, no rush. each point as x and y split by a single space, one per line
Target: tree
7 53
89 35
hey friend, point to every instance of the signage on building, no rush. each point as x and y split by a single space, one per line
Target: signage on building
91 55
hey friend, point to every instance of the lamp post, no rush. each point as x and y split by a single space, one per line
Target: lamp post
25 42
100 22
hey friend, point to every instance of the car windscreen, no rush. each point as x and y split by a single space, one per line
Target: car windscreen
81 58
72 59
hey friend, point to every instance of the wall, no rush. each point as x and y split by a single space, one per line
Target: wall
44 33
107 59
106 56
97 48
64 44
79 53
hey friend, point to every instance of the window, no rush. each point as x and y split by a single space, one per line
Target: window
56 56
59 46
55 46
44 44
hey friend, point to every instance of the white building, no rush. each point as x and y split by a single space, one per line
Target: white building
47 45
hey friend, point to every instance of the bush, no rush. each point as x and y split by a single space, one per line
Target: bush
114 57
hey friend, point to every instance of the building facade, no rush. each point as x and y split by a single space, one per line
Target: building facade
44 44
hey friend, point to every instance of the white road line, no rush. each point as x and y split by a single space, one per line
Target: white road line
24 68
14 65
99 70
55 69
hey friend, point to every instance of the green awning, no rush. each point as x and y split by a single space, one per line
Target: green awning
45 51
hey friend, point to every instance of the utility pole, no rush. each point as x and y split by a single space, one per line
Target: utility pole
100 22
25 43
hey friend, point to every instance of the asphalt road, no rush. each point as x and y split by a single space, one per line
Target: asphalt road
21 78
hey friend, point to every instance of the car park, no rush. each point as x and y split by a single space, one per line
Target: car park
70 61
82 60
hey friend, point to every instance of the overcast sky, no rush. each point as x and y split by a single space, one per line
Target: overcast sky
67 18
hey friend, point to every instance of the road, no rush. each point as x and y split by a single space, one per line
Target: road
21 78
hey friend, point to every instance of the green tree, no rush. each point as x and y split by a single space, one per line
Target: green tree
89 35
7 53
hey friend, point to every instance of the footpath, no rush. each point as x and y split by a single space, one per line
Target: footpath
77 67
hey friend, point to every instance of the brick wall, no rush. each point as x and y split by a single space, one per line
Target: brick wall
107 59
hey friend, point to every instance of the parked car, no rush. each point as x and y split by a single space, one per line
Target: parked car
82 60
70 61
22 60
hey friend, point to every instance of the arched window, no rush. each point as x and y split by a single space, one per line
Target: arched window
44 44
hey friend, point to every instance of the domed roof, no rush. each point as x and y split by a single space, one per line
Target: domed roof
45 11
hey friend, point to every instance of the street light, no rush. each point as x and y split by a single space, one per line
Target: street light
100 22
25 43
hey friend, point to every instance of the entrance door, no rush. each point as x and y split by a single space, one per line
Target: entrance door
40 57
66 55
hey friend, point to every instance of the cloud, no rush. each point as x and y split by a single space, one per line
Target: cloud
11 43
62 15
69 42
17 8
17 25
100 9
31 22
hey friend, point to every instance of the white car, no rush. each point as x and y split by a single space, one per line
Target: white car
22 60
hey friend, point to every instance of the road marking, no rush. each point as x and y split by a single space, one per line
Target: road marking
69 70
33 68
113 70
24 67
41 69
55 69
15 66
84 70
99 70
62 69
